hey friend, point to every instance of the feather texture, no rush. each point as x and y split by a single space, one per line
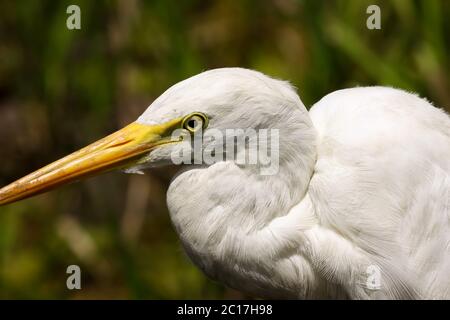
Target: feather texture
363 183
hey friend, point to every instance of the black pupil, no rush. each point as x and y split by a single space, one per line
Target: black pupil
192 123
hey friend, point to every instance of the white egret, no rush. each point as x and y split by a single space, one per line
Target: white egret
359 207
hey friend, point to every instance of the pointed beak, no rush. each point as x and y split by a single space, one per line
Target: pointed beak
118 150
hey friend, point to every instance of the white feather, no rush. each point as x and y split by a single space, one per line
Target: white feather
363 180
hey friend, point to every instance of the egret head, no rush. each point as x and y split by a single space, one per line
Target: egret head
217 204
220 99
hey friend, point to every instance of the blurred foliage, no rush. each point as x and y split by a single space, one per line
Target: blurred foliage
61 89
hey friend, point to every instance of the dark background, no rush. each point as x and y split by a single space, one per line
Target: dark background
61 89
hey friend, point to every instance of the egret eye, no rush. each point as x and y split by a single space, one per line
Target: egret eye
195 122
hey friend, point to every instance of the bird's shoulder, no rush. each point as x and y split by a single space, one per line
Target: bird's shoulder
376 121
365 107
382 176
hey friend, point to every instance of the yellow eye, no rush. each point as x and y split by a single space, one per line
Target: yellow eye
195 122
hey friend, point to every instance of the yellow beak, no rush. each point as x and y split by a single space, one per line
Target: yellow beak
118 150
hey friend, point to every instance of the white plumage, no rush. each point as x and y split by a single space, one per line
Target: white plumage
360 206
363 180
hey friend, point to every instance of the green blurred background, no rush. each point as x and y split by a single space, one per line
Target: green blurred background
61 89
